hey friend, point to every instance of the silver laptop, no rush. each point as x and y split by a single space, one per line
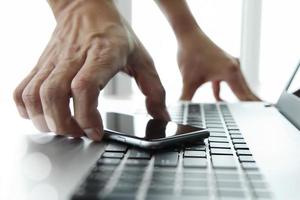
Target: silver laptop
252 153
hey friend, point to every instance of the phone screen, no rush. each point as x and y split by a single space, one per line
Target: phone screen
144 128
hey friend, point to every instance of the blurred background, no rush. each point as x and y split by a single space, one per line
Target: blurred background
264 34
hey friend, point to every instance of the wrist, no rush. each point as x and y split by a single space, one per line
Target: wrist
58 6
180 17
184 27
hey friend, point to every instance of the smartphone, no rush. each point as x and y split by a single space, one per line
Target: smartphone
149 133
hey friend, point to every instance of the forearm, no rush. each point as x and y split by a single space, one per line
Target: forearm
179 16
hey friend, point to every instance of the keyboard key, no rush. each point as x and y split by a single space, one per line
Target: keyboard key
254 176
241 146
166 159
215 151
133 171
219 145
125 189
164 170
228 118
209 125
137 162
236 137
138 154
130 180
227 176
196 121
249 165
194 175
164 174
112 155
160 190
229 184
213 119
159 181
231 124
259 184
216 134
196 124
263 194
98 177
92 187
195 162
195 183
223 161
117 196
154 196
218 139
234 132
232 127
200 154
200 147
246 159
102 168
116 147
243 152
108 161
218 130
238 141
194 109
232 193
84 196
194 192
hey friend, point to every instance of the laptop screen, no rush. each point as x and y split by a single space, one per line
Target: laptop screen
289 101
294 87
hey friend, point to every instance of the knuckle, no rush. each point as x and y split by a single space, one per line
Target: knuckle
17 95
81 84
102 42
30 97
49 90
149 62
109 47
233 68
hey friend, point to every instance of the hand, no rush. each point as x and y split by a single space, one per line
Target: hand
200 61
90 44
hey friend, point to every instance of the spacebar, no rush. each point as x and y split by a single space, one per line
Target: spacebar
223 161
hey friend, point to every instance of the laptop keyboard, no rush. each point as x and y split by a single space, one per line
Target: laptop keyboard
220 167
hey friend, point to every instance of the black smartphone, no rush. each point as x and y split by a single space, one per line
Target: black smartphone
149 133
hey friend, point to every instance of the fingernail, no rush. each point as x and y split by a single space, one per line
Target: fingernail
93 134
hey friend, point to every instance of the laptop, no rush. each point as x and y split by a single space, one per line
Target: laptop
252 153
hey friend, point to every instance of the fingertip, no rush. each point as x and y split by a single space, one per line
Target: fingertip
94 134
185 98
218 99
188 92
166 115
23 112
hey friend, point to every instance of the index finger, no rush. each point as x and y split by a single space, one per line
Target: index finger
239 86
